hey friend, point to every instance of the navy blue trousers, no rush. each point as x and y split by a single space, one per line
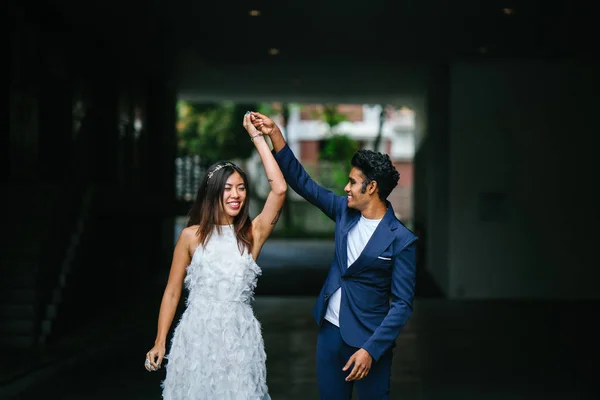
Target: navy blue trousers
332 354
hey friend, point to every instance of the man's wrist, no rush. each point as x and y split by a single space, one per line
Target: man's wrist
369 353
276 131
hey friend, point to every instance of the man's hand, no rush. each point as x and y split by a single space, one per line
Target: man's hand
263 123
362 361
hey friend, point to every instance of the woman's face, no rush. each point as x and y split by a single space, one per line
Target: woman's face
234 197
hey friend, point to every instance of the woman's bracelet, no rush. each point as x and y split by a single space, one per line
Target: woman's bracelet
255 136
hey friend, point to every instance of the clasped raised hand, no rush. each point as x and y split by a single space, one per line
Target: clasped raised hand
263 123
249 126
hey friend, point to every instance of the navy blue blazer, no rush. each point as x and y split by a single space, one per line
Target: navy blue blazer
385 269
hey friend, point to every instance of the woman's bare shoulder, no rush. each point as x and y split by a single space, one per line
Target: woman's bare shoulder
188 238
189 234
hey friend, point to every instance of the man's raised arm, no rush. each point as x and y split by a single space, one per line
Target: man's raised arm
295 175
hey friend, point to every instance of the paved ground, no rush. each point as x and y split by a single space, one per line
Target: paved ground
449 350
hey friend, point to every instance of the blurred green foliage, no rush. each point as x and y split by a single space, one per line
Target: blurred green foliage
213 131
336 152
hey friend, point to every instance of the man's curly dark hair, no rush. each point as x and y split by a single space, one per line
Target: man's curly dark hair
379 168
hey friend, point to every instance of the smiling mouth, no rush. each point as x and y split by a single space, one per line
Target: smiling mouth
234 204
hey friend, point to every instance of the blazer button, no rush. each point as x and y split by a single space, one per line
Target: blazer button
326 295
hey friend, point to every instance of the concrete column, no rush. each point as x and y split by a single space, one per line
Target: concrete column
104 133
161 120
437 152
55 131
160 166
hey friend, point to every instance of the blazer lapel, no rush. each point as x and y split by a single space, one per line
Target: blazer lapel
379 241
343 251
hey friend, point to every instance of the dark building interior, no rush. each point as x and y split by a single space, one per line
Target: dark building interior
504 200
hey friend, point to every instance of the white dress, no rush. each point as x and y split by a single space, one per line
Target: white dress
217 351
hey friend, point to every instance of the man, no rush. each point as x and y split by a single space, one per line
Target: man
374 260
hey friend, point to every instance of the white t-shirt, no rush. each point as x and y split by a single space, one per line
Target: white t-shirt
358 237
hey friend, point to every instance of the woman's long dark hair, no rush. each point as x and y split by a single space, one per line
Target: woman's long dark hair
207 210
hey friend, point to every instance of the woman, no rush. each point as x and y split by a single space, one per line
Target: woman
217 352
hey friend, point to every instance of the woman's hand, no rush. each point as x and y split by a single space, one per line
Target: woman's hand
263 123
250 128
154 358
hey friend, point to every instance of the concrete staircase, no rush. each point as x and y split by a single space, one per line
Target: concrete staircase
50 308
33 223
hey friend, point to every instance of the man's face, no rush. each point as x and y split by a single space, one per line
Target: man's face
357 198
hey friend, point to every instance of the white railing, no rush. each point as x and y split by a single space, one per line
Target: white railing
189 171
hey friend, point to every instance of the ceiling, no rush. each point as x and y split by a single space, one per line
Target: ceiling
379 30
225 36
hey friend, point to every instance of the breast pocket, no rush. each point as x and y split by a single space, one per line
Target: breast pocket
383 262
386 256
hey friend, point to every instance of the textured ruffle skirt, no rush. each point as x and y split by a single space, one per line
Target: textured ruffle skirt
217 353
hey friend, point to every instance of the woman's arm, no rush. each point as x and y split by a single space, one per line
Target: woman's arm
171 295
264 223
295 174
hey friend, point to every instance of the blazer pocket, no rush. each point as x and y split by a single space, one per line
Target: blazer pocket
385 258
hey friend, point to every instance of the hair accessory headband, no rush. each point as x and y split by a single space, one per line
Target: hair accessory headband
218 167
